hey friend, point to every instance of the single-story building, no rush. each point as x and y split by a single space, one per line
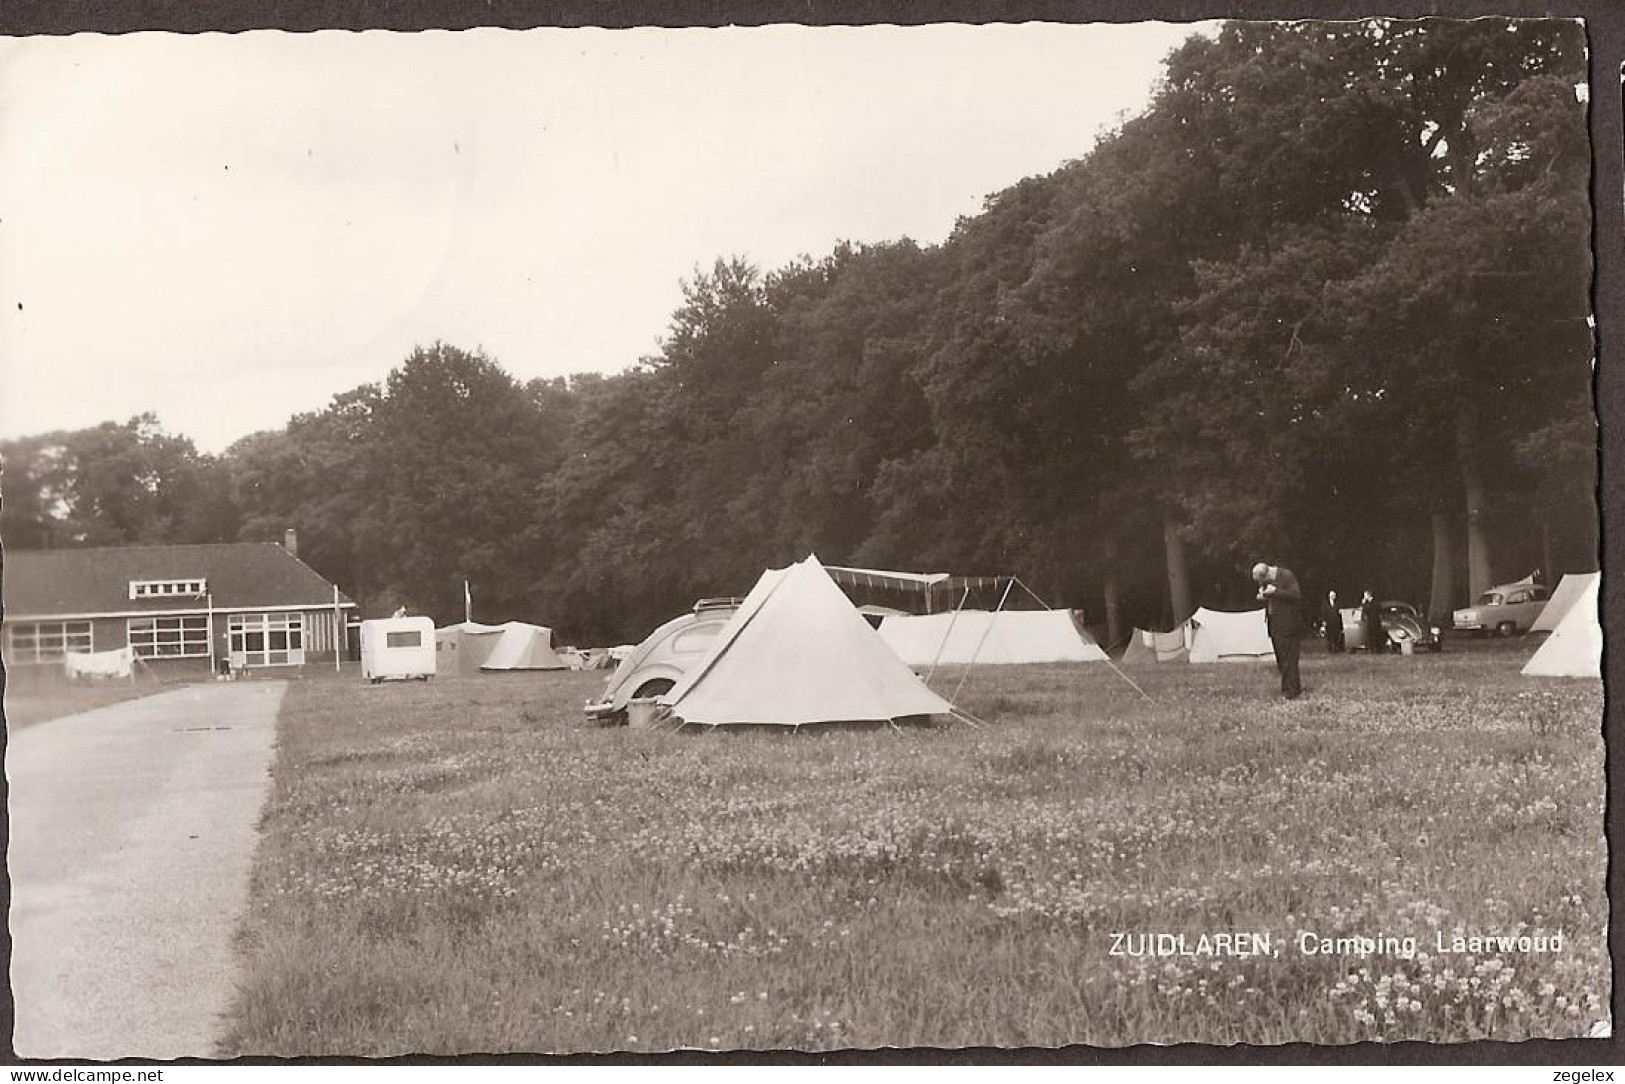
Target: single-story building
178 607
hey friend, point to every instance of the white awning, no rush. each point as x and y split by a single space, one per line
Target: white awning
874 577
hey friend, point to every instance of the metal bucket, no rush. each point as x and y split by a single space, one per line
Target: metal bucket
642 712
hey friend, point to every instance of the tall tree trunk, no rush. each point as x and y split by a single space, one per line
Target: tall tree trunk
1548 567
1167 621
1440 599
1480 571
1114 611
1179 577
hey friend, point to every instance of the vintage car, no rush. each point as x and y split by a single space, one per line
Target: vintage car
654 666
1506 610
1401 621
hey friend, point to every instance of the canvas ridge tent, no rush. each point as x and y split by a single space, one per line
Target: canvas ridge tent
462 648
1574 649
1569 590
523 646
797 652
1002 638
1221 636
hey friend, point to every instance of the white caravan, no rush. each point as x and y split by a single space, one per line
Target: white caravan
397 647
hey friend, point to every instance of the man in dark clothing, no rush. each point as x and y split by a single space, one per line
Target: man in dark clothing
1376 637
1283 616
1332 623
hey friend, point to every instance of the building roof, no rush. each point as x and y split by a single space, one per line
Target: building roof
240 575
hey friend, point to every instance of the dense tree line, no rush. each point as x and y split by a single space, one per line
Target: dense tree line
1325 302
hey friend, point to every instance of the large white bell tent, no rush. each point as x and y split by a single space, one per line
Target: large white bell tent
798 652
962 637
1221 636
1574 649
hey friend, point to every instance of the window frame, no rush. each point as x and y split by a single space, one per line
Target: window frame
26 650
149 637
266 638
185 587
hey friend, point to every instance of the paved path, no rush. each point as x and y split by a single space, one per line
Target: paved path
132 830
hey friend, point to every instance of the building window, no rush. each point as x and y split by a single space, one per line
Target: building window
266 639
169 637
46 641
168 588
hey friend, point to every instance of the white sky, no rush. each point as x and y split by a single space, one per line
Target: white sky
228 229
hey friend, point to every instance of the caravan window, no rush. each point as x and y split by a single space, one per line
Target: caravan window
409 638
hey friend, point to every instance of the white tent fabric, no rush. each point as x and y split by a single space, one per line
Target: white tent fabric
883 577
1220 636
119 663
1574 649
1002 638
524 647
1148 646
1568 592
463 647
796 652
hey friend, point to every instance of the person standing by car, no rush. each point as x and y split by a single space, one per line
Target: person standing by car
1376 637
1332 624
1283 617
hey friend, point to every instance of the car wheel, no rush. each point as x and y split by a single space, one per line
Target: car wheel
1506 628
654 687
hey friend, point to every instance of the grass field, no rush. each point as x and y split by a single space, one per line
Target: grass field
466 866
38 701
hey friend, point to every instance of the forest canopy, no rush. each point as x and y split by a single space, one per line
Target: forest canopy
1324 303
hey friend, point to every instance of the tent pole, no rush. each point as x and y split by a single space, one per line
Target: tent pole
967 717
1035 597
1126 678
985 633
941 647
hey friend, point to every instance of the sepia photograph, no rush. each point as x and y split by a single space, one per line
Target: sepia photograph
801 539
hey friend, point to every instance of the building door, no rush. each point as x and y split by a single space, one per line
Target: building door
266 639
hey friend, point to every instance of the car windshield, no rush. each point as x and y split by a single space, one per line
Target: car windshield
1490 598
1399 609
